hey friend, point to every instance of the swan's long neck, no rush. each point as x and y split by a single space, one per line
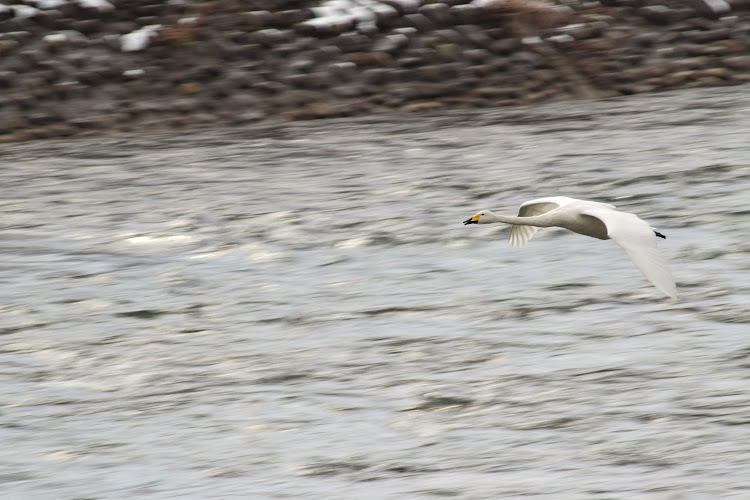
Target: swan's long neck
538 221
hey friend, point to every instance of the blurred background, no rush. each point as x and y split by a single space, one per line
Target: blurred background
234 265
78 67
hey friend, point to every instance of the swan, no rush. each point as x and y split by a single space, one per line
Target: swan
590 218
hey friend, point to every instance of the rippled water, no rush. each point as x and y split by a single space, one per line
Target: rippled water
297 311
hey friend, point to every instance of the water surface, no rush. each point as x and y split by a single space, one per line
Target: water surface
296 311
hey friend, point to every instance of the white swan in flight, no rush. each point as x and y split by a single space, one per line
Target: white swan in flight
590 218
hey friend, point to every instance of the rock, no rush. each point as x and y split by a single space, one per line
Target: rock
561 39
439 37
724 48
315 80
538 13
596 45
33 58
68 38
646 40
419 22
184 105
403 7
8 46
343 69
248 51
7 78
411 62
658 14
190 88
21 37
301 64
681 77
249 116
447 51
722 73
353 90
384 16
270 37
499 92
288 18
38 119
17 24
440 72
87 26
325 54
712 9
368 30
423 54
505 47
481 70
422 107
318 111
527 58
364 59
59 130
738 63
703 37
534 42
438 13
477 56
392 44
5 13
270 87
353 42
255 20
467 13
377 76
635 88
583 31
474 34
69 90
151 10
326 27
139 39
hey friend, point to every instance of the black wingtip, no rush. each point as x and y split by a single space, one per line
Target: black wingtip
657 233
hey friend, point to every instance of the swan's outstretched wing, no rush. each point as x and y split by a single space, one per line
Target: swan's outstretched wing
637 238
520 235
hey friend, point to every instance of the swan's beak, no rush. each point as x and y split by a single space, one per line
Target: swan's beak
473 220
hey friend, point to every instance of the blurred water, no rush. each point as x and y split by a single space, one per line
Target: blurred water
297 311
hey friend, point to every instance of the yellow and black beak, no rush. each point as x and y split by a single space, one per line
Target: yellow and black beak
473 220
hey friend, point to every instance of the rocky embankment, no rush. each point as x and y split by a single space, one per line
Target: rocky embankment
81 67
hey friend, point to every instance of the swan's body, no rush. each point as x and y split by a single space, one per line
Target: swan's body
590 218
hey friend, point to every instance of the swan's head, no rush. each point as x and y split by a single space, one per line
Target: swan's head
477 218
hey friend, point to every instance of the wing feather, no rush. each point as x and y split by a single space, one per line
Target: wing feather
638 240
519 234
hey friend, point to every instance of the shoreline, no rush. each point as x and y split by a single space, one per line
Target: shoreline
75 71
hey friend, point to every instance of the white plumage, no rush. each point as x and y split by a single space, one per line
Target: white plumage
590 218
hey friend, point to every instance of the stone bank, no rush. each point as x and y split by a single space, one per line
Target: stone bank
83 67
